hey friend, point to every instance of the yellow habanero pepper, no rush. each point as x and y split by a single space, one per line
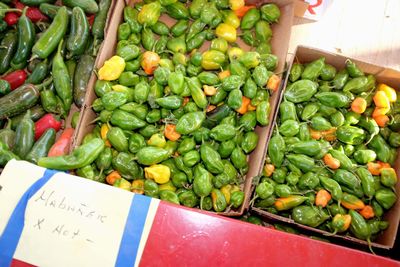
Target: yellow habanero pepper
158 172
389 92
226 32
157 140
137 186
112 69
167 186
123 184
103 132
232 19
234 53
236 4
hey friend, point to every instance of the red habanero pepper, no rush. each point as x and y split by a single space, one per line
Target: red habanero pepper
61 147
47 121
15 78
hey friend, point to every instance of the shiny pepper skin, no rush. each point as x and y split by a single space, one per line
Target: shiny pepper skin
226 32
159 173
112 69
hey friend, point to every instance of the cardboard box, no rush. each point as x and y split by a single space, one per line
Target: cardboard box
280 42
391 77
78 221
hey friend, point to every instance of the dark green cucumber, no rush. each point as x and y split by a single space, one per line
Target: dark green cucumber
89 6
82 75
8 45
18 101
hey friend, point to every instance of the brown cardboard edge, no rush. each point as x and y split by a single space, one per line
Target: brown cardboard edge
92 79
280 43
278 218
387 239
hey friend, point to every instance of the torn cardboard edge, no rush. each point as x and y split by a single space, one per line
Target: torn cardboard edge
280 45
389 76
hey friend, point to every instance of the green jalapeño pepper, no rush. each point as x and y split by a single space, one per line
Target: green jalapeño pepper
26 38
6 155
24 138
61 79
42 146
79 33
49 40
80 157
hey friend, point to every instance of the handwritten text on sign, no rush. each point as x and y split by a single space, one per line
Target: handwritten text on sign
67 216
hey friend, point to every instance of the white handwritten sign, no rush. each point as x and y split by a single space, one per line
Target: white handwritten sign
70 221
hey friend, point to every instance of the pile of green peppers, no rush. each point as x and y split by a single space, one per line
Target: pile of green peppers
53 47
316 126
181 131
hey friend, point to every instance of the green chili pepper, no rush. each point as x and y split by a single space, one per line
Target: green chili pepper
263 32
270 12
311 216
356 85
127 51
287 111
151 155
7 135
319 123
79 32
61 79
188 198
332 186
249 142
151 188
346 178
276 150
328 72
81 156
49 40
177 11
385 197
212 59
303 162
218 199
250 19
26 38
388 177
117 139
24 137
367 182
300 91
289 128
364 156
382 149
351 135
308 181
238 158
6 155
42 146
211 159
353 70
359 226
8 45
264 190
313 69
345 162
378 210
202 183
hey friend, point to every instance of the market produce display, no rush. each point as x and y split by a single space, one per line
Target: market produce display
179 102
330 159
47 54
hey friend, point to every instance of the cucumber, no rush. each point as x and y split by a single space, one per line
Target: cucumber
18 101
89 6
